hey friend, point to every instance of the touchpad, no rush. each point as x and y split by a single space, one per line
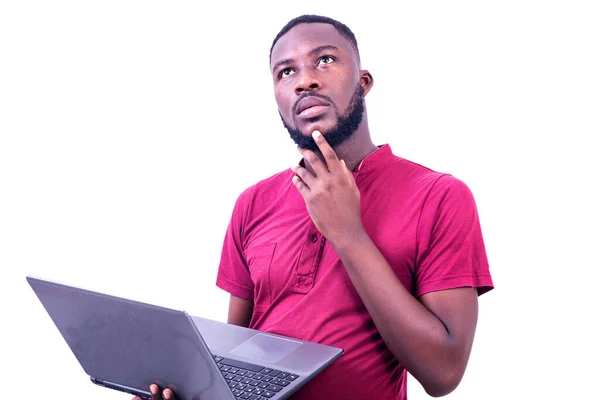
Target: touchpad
266 348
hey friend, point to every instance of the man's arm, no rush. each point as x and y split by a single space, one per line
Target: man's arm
431 338
240 311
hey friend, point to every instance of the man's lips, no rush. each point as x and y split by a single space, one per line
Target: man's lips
310 102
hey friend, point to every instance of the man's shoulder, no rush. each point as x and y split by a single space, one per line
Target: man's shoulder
411 171
412 175
438 184
269 187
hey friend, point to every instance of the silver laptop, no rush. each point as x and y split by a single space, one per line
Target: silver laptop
127 345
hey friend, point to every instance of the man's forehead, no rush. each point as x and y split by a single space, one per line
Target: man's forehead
307 36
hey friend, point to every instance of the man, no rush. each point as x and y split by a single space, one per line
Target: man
354 247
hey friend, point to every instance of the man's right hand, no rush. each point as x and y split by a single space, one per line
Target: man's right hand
166 394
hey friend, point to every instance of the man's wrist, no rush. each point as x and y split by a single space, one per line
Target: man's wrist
350 241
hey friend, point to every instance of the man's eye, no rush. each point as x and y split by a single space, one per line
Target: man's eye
326 60
286 72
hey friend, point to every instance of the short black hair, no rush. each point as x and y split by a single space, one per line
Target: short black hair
311 19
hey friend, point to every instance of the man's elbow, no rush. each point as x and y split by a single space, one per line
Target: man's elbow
444 384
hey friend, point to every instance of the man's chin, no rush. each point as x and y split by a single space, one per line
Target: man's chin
302 135
308 129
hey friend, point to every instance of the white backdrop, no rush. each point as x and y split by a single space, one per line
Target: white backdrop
128 128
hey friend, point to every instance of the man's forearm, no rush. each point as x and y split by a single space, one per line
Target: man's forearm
416 337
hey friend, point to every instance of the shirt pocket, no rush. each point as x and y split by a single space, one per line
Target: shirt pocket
259 258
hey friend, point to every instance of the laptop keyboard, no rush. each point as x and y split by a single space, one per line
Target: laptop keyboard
253 382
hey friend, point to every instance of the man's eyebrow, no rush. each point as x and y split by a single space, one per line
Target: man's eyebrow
321 48
313 52
282 62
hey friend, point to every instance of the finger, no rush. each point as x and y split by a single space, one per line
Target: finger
301 186
328 153
315 162
349 175
155 391
168 394
305 175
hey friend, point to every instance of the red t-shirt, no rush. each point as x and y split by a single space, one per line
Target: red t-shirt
424 222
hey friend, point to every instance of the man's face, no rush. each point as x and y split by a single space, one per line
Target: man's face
317 84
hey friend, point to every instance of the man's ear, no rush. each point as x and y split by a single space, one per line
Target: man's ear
366 81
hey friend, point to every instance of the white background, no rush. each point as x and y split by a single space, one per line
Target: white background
128 128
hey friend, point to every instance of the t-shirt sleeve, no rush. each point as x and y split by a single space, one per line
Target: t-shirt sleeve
451 251
233 275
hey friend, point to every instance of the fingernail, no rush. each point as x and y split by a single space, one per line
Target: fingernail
153 389
316 135
167 394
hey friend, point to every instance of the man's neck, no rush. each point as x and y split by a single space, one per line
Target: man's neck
352 151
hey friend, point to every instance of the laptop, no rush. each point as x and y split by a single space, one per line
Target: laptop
127 345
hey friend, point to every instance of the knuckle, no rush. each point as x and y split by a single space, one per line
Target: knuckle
313 158
302 173
319 194
329 154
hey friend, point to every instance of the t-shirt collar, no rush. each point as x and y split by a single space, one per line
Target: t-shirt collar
372 162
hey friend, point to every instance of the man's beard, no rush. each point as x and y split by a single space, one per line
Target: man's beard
347 124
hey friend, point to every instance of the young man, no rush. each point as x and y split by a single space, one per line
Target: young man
354 247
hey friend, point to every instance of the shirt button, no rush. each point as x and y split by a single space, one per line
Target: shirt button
314 238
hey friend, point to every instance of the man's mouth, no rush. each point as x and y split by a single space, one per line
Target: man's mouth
311 106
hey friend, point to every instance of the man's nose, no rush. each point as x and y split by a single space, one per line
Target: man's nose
307 81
